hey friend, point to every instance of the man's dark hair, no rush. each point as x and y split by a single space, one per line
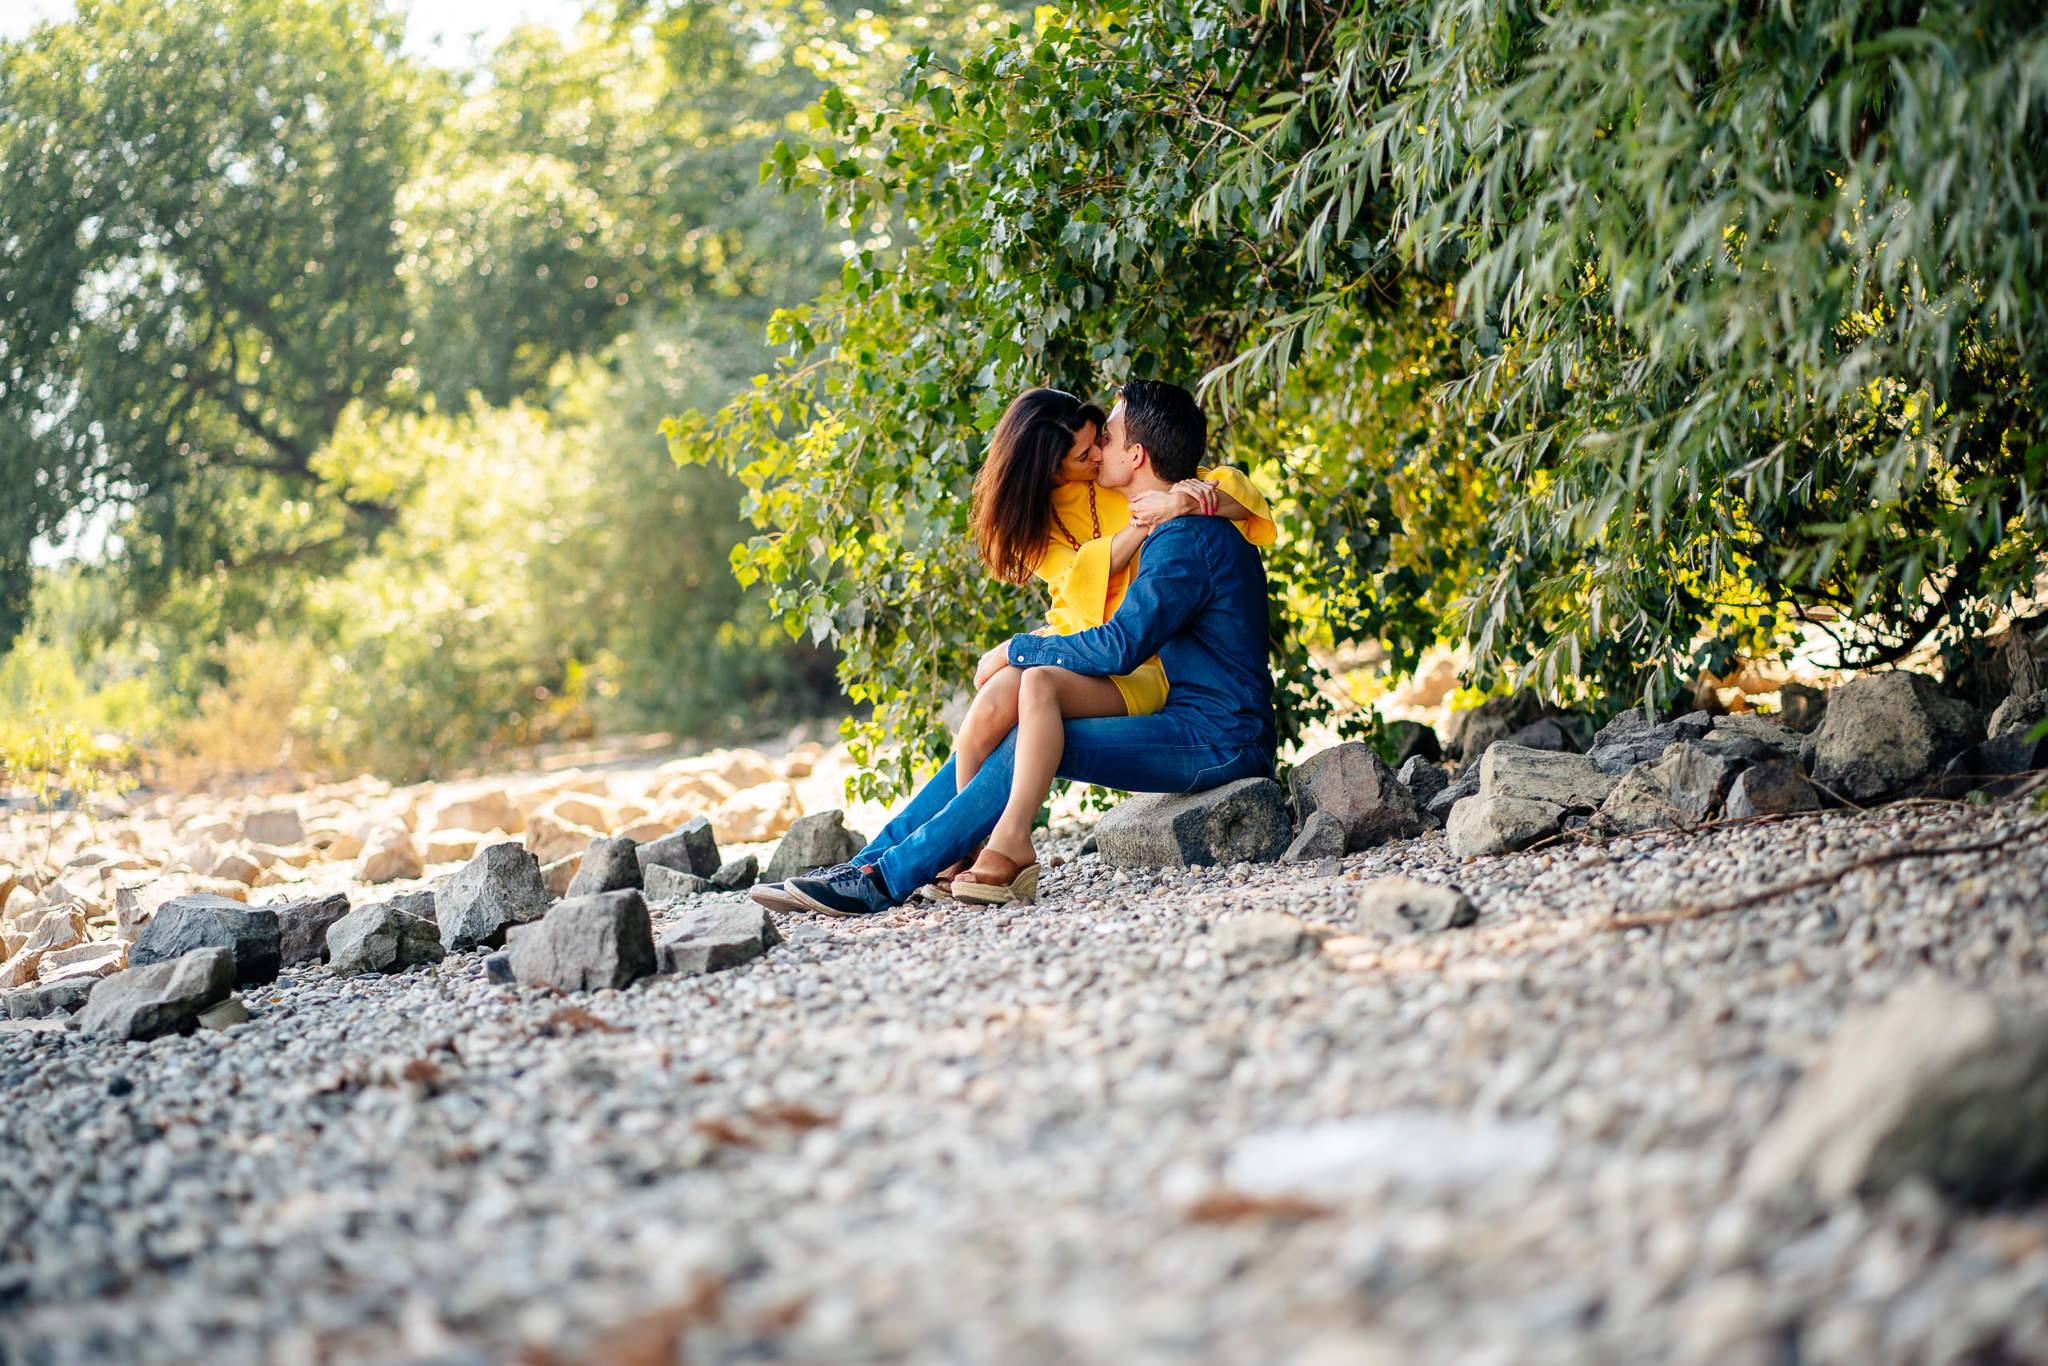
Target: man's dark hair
1168 423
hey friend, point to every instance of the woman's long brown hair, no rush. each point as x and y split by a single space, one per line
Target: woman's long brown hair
1013 492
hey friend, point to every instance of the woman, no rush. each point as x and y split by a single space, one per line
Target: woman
1038 511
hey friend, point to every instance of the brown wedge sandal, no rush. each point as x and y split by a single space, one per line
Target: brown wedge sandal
940 888
1007 880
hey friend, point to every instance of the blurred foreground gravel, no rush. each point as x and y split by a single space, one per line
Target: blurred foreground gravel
1075 1132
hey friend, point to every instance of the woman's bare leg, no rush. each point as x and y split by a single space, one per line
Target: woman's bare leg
1046 699
991 716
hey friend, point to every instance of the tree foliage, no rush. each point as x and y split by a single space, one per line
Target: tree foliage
197 265
1606 339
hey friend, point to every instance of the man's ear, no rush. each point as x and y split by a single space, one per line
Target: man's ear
1141 459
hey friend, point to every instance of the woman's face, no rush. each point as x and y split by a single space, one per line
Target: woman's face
1084 456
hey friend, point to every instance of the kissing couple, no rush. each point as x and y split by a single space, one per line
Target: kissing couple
1151 673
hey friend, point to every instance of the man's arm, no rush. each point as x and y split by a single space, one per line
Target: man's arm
1173 584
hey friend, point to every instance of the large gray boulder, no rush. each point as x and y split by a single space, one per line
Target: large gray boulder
818 840
737 874
186 923
1801 707
386 936
1470 733
1406 905
609 865
2018 715
665 884
691 849
1562 778
49 998
1886 732
1245 821
586 943
1685 787
1352 783
1482 825
714 935
302 927
1938 1083
1636 737
159 998
1423 780
1774 786
499 888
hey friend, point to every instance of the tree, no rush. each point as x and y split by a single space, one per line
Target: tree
197 276
1605 340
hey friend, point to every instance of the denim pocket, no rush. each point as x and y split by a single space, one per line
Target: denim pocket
1246 763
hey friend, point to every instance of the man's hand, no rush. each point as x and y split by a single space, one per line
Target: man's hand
1156 507
992 663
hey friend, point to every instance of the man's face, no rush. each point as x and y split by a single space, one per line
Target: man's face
1120 459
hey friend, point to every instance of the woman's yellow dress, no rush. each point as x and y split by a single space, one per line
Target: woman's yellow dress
1084 591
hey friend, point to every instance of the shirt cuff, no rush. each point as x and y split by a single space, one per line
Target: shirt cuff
1026 651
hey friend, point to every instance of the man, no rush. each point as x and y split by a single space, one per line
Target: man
1198 602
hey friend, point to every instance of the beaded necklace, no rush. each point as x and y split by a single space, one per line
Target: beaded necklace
1094 521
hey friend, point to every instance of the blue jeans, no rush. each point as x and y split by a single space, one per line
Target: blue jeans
1156 753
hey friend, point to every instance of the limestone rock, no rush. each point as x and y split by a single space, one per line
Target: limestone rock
60 928
486 811
186 923
1773 786
1353 784
499 888
1540 775
278 826
83 962
818 840
1244 821
1684 787
453 846
1885 732
691 849
1938 1082
227 1014
1261 939
737 874
757 813
609 865
1405 905
557 876
553 839
390 855
665 885
586 943
302 927
1483 825
159 998
386 936
1321 837
716 935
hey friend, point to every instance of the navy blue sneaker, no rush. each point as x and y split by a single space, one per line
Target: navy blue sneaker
775 895
845 890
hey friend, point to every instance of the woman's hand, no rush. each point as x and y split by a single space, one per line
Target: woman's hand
992 663
1157 507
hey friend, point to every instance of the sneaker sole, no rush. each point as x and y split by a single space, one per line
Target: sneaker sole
774 898
805 903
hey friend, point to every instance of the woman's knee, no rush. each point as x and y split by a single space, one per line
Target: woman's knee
993 711
1041 688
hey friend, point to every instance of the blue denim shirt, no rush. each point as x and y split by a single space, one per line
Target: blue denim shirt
1199 603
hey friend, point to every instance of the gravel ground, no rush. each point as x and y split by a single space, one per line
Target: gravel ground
1075 1132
